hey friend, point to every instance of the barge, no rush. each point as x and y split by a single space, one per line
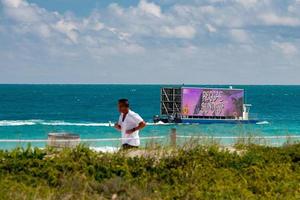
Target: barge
190 105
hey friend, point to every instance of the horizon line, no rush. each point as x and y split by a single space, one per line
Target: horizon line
181 84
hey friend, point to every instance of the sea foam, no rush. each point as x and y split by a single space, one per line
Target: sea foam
17 123
62 123
262 123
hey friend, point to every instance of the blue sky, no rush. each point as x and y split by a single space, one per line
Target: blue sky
143 41
80 7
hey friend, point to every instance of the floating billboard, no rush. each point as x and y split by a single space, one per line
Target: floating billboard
203 102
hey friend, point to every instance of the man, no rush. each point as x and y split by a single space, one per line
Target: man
129 124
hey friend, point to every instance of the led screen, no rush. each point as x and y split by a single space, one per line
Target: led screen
212 102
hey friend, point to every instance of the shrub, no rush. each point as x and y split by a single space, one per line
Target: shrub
201 172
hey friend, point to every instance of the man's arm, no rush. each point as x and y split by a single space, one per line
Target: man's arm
140 126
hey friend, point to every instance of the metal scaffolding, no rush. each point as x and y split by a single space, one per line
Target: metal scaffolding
170 102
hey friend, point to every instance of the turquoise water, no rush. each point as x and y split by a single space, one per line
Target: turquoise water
32 111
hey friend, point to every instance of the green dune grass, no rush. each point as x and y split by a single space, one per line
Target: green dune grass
197 172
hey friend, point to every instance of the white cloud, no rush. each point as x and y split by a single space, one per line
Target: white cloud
294 7
152 36
286 48
185 32
150 8
211 28
147 20
116 9
240 35
44 30
247 3
13 3
21 11
68 28
121 35
98 26
273 19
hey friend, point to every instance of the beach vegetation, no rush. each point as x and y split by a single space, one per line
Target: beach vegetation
186 172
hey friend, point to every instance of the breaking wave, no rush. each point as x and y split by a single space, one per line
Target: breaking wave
17 122
63 123
49 123
262 123
60 123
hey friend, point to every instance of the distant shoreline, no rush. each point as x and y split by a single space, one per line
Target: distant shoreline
145 84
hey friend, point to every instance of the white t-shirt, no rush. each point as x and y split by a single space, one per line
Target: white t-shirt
131 121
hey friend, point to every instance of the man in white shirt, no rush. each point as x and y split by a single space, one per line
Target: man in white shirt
129 124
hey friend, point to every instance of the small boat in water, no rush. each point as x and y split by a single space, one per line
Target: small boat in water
203 105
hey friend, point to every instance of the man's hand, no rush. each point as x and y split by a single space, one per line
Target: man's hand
139 127
117 126
130 131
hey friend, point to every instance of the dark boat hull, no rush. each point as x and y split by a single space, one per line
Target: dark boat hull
218 121
157 119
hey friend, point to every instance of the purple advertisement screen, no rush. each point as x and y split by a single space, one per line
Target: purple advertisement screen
212 102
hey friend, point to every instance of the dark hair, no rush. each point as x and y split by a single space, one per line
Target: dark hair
124 101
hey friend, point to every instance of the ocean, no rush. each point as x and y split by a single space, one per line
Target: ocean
32 111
